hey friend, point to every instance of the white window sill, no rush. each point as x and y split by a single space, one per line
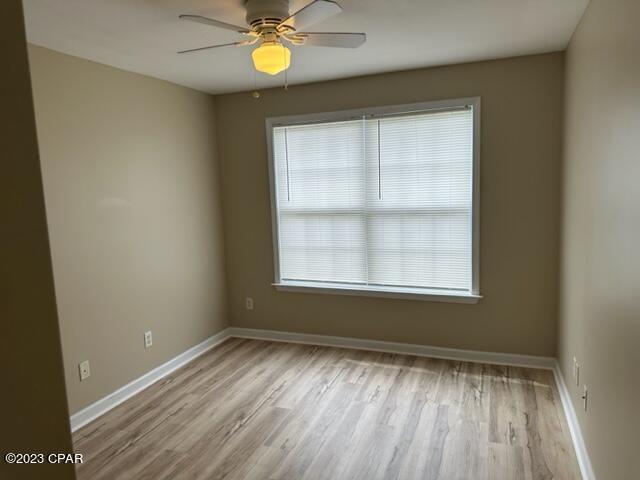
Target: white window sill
449 296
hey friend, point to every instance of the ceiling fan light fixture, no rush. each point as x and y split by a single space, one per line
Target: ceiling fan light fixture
271 57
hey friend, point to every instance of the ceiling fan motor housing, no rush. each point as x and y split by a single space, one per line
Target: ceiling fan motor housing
266 13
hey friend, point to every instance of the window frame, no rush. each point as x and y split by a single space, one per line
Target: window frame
376 291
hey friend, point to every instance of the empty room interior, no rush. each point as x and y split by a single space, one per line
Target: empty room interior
317 239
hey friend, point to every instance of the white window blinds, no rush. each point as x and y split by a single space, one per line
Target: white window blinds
382 201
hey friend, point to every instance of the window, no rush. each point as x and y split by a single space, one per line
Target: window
382 201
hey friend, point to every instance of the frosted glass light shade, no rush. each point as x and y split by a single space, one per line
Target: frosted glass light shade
271 58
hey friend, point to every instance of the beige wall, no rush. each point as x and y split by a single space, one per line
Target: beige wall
132 193
33 406
600 307
520 164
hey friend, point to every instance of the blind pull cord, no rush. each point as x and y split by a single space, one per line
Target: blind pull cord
286 157
379 165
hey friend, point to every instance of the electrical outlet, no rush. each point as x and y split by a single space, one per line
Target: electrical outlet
249 303
575 364
148 340
85 371
585 397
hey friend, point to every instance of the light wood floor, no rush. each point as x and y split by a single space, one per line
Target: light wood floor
262 410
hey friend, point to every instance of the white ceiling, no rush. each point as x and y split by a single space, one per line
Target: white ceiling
143 36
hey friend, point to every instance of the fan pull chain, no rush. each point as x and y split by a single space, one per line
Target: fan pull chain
286 80
255 93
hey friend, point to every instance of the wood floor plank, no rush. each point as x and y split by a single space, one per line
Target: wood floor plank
507 419
506 461
465 450
252 409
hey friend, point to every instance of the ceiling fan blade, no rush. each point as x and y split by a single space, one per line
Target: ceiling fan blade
328 39
314 12
232 44
214 23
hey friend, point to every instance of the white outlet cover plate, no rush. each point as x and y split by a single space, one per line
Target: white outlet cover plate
85 370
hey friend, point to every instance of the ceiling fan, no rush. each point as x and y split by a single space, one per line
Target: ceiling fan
270 24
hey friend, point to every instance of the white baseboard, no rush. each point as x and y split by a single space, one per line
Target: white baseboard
393 347
102 406
574 427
